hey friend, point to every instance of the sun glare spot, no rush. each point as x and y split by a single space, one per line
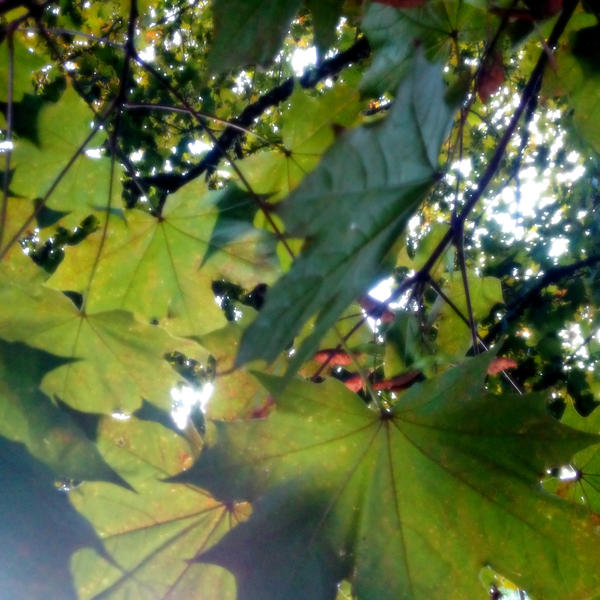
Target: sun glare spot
185 397
568 473
120 415
302 58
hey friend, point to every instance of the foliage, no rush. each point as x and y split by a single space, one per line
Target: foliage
202 396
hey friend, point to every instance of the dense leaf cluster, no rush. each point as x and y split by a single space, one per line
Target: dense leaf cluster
299 299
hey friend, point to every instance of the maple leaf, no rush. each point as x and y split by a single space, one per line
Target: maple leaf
408 503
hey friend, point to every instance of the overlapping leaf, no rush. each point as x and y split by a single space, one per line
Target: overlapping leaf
84 187
449 473
579 481
393 33
163 267
153 534
257 26
115 359
453 335
351 210
307 130
25 63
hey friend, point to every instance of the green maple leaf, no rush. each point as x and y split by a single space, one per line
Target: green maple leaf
62 128
408 503
163 267
24 64
116 359
153 534
307 130
453 335
437 25
351 211
579 482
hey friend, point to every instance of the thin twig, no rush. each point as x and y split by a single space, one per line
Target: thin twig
118 101
41 205
170 182
205 115
464 319
460 252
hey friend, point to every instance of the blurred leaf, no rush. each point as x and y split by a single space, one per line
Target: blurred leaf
394 34
325 14
39 529
257 26
237 209
307 130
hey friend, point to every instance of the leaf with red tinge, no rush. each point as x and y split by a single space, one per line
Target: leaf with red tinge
491 78
333 357
376 309
500 364
403 3
400 382
354 383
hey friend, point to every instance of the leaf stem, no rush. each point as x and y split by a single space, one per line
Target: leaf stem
187 111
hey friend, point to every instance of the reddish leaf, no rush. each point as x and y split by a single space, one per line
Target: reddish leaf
376 309
491 77
333 357
500 364
403 3
397 383
354 382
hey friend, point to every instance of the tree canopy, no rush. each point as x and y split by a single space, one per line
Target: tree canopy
299 299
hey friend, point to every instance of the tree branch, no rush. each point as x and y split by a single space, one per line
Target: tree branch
169 182
518 307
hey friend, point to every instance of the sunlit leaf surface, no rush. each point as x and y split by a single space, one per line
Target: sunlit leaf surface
154 532
162 267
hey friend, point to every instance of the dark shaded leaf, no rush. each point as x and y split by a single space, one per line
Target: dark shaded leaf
249 31
449 473
52 435
39 529
236 212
